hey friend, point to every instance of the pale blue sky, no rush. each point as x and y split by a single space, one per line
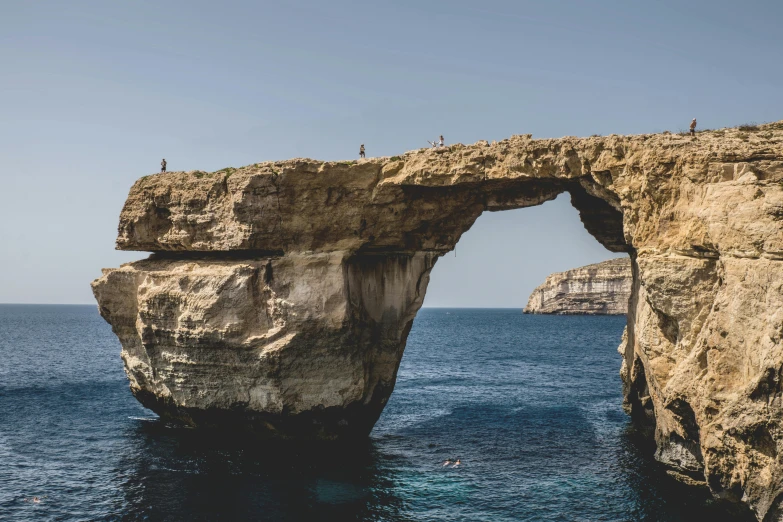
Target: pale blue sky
93 94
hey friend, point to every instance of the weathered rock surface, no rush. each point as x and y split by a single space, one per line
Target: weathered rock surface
281 294
303 344
598 289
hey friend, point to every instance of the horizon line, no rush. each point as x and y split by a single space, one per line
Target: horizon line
96 304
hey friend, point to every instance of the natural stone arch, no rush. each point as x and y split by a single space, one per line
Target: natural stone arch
280 295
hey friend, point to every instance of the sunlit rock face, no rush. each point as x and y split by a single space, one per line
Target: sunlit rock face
305 345
598 289
280 295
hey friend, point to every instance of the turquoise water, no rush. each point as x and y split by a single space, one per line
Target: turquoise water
529 404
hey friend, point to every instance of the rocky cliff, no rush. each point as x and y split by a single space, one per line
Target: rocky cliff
598 289
280 295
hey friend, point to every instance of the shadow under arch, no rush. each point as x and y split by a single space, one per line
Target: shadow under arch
436 219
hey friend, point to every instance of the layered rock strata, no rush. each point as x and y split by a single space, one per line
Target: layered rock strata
598 289
280 295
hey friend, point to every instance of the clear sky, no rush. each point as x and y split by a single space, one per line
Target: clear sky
94 94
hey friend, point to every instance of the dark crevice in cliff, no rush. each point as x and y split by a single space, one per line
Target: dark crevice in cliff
770 384
601 220
268 273
775 513
279 209
668 325
686 417
233 255
637 398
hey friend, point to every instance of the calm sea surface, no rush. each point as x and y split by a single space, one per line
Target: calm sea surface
529 404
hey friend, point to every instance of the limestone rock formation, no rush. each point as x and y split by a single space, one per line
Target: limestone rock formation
280 295
598 289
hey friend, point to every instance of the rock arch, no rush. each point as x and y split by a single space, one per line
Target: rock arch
279 296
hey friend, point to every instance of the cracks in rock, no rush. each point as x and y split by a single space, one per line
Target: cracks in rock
637 397
682 451
668 325
275 176
214 255
268 273
775 512
769 385
430 264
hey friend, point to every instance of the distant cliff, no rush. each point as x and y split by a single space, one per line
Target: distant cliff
599 289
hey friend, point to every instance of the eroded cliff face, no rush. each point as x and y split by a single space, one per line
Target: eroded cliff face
302 344
281 294
598 289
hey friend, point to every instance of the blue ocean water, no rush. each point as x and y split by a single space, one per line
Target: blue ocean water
529 404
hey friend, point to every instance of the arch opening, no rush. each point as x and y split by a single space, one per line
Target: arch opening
552 405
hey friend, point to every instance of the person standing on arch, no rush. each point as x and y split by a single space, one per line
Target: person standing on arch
693 127
361 150
163 165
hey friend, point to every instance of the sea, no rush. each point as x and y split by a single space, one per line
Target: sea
530 405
